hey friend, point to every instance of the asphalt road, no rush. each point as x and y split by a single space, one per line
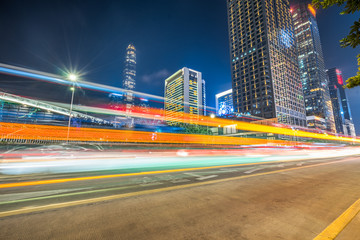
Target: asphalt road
279 200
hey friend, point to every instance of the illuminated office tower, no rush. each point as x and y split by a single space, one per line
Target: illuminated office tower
129 82
224 103
264 65
204 96
342 114
184 94
319 112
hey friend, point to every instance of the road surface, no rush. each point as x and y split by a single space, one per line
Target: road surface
279 200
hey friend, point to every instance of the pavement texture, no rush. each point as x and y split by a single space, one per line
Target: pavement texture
290 205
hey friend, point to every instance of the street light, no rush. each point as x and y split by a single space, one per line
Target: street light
207 125
72 77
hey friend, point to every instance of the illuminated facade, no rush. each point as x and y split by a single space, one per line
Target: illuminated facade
129 82
224 103
204 96
264 66
313 76
184 94
342 114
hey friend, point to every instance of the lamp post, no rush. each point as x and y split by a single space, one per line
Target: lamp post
207 126
73 78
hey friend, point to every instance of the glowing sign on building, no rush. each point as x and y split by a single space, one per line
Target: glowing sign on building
339 77
224 103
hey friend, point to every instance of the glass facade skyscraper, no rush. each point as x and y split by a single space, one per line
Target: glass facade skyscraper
129 75
313 76
184 93
264 64
342 114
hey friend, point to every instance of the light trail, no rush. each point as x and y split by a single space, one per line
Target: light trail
64 180
161 115
158 114
42 76
77 162
36 132
76 179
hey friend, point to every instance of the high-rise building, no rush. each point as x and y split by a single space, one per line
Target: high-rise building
264 64
224 103
319 112
184 94
204 96
129 82
342 114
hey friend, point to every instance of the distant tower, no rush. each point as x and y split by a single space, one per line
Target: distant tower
343 119
130 72
318 106
204 96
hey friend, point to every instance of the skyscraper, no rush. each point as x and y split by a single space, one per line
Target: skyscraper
264 66
184 94
129 75
204 96
224 103
313 76
342 114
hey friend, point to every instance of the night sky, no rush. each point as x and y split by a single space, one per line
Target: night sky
92 36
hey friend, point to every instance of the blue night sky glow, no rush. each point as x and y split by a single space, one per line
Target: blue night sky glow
93 35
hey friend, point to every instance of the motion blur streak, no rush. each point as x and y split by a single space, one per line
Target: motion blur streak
141 165
39 132
158 114
240 125
58 133
42 76
42 182
161 115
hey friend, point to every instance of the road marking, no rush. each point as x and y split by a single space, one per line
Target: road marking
152 191
200 177
264 167
336 227
181 181
254 170
280 165
226 170
206 177
35 194
151 184
66 195
63 180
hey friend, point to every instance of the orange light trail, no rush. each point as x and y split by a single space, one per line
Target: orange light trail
240 125
159 114
45 132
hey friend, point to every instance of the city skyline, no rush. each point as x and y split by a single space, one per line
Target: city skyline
196 57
